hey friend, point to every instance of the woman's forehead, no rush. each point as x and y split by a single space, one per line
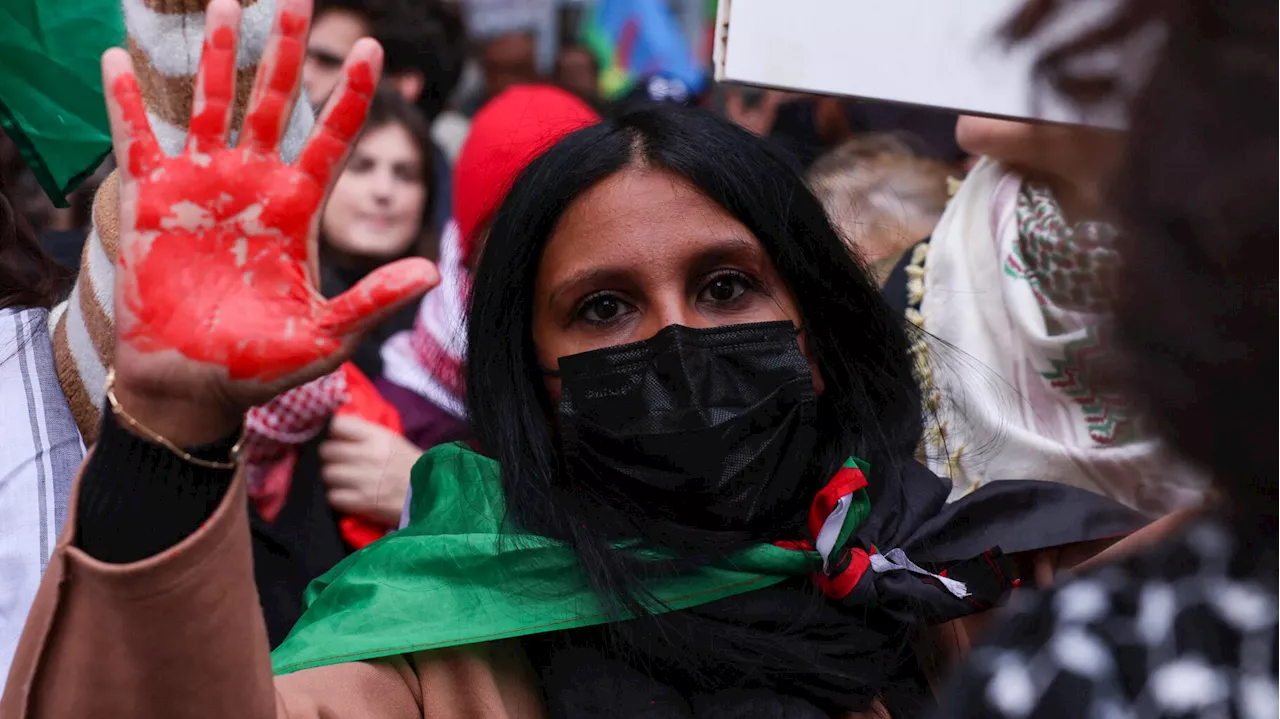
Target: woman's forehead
391 140
642 218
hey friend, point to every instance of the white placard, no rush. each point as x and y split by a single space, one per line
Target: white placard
938 53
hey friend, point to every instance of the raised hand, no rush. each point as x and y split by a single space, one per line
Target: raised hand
216 300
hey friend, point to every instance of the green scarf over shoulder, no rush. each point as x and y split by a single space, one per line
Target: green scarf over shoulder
459 574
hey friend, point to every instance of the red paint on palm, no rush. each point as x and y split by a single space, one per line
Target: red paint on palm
221 237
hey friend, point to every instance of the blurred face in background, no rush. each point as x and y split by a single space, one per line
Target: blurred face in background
576 71
376 208
332 36
508 60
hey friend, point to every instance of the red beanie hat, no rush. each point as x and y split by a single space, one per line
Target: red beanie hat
506 135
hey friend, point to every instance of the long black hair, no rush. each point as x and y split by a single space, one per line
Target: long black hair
871 406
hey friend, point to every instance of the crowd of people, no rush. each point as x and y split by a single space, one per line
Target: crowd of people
364 390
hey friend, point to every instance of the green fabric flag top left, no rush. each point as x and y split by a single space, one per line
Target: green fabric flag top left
51 101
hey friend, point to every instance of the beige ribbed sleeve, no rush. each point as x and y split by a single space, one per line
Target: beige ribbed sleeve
165 38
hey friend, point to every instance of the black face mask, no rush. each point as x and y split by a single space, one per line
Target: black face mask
712 428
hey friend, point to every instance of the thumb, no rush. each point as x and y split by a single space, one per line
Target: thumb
380 295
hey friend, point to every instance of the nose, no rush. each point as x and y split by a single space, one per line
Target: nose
671 308
317 81
383 185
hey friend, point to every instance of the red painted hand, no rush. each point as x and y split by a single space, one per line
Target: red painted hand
215 284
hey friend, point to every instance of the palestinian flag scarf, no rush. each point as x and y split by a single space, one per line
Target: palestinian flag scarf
460 574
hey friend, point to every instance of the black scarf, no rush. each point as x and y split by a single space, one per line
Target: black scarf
789 651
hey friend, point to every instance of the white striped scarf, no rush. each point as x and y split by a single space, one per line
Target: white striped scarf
1010 419
428 359
165 39
39 455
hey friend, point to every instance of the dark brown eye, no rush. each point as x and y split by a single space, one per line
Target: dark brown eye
324 59
603 309
725 289
359 164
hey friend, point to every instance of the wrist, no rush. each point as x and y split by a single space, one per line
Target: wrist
396 482
184 421
388 514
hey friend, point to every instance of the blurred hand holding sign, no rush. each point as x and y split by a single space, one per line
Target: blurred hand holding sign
941 53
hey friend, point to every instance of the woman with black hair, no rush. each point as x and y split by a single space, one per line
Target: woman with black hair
695 494
40 447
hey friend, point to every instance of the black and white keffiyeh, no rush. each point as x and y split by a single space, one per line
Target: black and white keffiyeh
1186 631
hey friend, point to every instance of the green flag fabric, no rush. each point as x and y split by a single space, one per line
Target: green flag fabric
51 101
459 575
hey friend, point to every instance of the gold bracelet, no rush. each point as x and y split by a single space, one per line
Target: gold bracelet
185 455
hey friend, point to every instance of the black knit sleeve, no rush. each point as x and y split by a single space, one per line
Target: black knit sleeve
137 498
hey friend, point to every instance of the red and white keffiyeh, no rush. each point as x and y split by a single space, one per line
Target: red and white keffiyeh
507 134
429 358
274 431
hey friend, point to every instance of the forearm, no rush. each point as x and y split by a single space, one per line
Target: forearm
177 634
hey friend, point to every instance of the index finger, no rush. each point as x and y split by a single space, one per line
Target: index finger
344 114
348 427
136 149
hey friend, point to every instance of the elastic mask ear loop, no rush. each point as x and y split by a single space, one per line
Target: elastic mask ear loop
555 373
798 333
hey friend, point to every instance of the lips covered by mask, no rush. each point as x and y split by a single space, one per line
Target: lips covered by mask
711 428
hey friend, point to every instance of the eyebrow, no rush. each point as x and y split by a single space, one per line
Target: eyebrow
593 275
325 57
727 248
716 251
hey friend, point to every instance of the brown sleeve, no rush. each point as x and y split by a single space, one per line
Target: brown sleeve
178 635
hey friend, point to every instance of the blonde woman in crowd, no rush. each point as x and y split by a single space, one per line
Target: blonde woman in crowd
881 196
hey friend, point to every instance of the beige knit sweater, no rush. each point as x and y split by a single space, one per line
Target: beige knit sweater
165 39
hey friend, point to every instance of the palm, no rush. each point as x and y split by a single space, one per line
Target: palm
217 259
216 266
